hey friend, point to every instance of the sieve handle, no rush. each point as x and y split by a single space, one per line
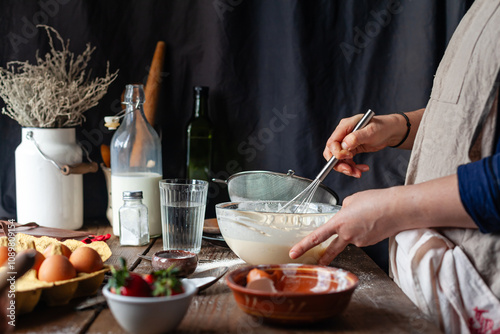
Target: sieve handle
333 160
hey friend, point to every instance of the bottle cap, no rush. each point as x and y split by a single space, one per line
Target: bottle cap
200 90
136 194
112 122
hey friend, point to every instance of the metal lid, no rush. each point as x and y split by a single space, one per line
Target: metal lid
135 194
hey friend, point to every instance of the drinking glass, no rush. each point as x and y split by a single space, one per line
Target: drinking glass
183 204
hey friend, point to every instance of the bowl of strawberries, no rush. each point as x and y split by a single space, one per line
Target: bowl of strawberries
152 303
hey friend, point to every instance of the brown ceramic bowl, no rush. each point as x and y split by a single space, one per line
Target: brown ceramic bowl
306 293
184 260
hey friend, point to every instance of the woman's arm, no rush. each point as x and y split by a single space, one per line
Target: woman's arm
370 216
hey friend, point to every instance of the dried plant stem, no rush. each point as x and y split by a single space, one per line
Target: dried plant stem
56 91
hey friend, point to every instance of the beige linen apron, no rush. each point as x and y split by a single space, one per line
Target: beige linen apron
453 275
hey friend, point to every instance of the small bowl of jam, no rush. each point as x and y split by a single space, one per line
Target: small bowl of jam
184 260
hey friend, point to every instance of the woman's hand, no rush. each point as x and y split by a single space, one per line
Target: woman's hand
382 131
345 144
362 221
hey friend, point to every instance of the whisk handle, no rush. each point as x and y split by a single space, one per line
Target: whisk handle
333 160
367 117
327 169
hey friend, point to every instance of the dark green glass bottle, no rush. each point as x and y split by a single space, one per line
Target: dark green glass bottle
199 137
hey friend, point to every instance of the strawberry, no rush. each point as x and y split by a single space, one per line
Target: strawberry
126 283
149 278
135 286
166 282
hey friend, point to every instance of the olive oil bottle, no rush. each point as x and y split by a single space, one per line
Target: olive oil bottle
199 138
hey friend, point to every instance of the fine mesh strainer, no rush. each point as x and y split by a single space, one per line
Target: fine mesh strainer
271 186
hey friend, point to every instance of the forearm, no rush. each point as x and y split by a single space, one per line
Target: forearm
434 203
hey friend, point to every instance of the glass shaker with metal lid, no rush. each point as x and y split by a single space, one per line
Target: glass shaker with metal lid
134 229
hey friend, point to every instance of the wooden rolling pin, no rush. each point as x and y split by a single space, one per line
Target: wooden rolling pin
106 155
152 92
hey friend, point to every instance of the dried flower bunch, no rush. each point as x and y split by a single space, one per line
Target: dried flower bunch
56 91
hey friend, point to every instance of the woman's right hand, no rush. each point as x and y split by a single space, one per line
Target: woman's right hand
382 131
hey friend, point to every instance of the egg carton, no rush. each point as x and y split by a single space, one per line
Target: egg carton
30 290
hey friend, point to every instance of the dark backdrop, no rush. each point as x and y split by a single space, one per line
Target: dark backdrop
282 74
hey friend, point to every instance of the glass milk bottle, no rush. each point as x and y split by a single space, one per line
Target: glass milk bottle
136 160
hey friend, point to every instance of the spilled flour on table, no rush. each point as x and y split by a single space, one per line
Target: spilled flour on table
217 264
365 280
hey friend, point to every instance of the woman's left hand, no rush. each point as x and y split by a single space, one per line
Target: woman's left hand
365 219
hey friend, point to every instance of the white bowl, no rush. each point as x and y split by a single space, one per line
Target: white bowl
150 315
258 234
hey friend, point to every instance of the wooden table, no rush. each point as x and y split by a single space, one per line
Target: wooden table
378 305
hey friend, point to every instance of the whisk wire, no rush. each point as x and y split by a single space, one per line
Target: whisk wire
311 189
305 197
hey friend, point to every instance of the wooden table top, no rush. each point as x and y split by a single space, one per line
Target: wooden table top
377 305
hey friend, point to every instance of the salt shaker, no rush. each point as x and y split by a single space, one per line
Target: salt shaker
133 219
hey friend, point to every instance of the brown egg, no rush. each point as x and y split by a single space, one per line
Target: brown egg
49 251
4 255
39 258
86 260
56 268
256 274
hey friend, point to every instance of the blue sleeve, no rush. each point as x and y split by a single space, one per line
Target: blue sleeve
479 186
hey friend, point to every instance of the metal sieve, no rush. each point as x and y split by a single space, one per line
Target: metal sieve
271 186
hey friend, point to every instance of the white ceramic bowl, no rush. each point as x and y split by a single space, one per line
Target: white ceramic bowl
258 234
150 315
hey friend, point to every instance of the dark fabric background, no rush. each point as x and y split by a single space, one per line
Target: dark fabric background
282 74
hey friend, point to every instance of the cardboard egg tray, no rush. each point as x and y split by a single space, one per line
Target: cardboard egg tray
30 291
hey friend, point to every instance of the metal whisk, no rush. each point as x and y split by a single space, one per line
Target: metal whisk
300 203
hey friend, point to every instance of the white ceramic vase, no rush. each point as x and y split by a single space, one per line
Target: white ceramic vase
107 177
43 194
